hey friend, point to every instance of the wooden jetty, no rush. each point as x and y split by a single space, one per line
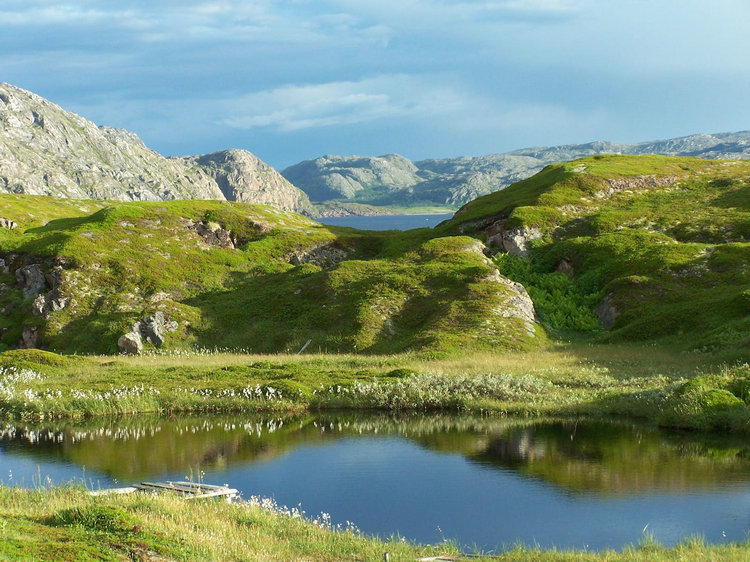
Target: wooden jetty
188 490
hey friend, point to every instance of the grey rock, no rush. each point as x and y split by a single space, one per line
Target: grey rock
7 223
517 240
56 303
29 337
213 234
152 328
39 306
31 279
130 343
517 304
566 268
607 312
45 150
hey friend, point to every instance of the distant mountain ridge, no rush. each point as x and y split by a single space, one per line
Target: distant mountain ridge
395 180
45 150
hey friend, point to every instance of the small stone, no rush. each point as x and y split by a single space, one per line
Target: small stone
567 268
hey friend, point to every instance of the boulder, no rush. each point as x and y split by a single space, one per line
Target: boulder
30 337
7 223
130 343
31 279
607 312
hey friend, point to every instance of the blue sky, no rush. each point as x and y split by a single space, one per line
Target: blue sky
295 79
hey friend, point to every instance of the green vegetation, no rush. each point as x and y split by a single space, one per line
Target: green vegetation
249 277
696 391
66 524
668 239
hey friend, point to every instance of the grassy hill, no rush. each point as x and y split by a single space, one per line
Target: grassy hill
610 248
233 275
660 244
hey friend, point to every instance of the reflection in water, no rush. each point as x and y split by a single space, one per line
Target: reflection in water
590 457
618 459
482 481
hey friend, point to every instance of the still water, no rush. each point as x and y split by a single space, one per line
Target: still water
484 483
388 222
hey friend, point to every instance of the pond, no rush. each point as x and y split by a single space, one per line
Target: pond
485 483
388 222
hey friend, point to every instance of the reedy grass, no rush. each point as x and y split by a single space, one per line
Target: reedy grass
579 380
65 523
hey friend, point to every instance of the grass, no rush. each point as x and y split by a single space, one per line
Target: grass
393 291
668 388
667 239
67 524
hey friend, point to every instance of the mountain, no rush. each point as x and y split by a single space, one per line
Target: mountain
353 177
394 180
45 150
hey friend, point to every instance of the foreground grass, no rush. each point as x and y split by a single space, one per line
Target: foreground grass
68 524
686 390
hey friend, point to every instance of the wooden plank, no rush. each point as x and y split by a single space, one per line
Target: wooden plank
189 488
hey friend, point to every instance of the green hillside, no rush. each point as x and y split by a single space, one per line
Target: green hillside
646 248
660 245
240 276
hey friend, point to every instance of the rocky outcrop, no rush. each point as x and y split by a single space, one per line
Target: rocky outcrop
634 183
45 150
326 256
31 280
151 329
29 337
518 304
516 241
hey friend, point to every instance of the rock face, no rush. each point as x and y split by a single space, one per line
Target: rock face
45 150
242 176
31 279
454 181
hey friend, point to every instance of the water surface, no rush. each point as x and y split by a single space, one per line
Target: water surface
482 482
388 222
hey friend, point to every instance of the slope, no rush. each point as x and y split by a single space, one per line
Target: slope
78 276
628 247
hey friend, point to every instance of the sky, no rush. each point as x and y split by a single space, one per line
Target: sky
296 79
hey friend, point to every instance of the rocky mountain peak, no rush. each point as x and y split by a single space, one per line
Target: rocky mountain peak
46 150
